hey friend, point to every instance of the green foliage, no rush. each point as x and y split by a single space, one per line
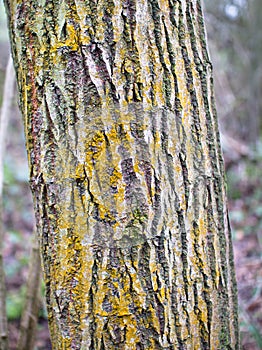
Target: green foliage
233 189
14 303
9 177
251 327
15 173
3 26
43 309
245 189
15 262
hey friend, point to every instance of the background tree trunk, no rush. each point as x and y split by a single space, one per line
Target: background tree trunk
5 112
29 318
126 173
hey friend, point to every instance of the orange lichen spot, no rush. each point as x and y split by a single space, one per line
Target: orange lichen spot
157 139
132 335
154 282
120 197
162 293
72 40
115 177
112 135
154 319
105 214
202 226
183 201
80 171
178 169
95 146
63 224
88 168
136 167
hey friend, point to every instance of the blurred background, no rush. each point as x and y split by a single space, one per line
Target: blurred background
234 29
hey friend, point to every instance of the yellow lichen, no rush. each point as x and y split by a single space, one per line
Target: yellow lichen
115 177
95 146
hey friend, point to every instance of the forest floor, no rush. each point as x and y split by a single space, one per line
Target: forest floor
245 206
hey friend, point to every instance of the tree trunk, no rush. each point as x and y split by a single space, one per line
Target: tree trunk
126 173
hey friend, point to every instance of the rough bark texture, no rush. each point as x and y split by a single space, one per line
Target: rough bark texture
126 173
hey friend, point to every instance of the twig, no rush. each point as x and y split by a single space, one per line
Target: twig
5 112
4 117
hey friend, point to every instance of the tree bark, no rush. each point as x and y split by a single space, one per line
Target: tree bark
126 173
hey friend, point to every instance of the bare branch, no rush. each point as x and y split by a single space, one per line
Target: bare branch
30 313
